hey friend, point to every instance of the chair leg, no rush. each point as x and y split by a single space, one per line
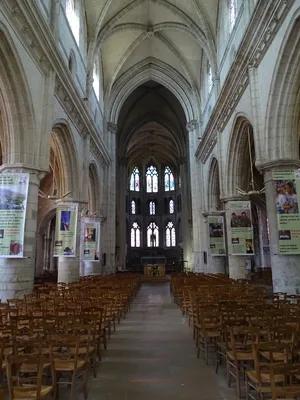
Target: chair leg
85 385
228 375
73 386
238 381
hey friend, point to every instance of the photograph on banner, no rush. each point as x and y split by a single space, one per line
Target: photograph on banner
216 235
91 248
241 228
13 203
287 186
66 230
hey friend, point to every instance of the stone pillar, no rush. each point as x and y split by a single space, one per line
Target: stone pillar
109 238
17 274
198 221
236 264
92 268
285 268
121 213
68 268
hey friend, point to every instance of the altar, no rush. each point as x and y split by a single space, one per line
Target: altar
154 266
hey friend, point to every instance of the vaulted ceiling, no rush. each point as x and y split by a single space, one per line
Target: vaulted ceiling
151 53
175 32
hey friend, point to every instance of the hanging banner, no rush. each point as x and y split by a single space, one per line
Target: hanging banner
66 230
91 247
241 228
13 203
217 245
287 185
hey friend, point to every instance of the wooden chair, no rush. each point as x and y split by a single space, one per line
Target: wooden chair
67 361
258 381
27 385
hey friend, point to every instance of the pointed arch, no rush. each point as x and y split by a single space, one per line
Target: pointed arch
238 161
64 147
214 201
94 187
282 116
18 119
160 72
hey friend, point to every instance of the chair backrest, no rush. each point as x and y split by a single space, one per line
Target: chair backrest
24 383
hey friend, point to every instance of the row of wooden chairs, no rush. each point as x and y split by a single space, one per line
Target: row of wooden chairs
54 336
257 334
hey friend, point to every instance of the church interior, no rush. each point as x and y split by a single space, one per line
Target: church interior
149 214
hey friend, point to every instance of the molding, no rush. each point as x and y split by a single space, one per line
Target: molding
277 164
30 23
265 22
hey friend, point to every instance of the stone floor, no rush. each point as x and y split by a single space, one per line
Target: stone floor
152 356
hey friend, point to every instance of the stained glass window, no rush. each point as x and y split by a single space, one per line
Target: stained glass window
152 207
135 180
152 179
170 235
232 13
152 235
135 235
169 180
73 19
171 206
133 207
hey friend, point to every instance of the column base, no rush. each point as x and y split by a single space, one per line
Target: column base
16 277
91 268
237 267
216 265
286 273
68 269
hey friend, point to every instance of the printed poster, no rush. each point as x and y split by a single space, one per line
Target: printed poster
287 186
91 247
13 203
66 230
241 228
216 235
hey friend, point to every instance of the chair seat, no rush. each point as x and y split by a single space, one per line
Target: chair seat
210 334
68 365
27 393
241 355
277 356
265 377
29 368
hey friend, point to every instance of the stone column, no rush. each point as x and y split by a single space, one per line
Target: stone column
68 268
236 264
109 239
215 264
285 268
17 274
197 203
121 213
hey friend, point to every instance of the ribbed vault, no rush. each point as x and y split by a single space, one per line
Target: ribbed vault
151 126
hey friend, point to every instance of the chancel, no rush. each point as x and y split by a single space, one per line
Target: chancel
149 214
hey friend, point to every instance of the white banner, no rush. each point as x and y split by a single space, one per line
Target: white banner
13 204
66 230
91 245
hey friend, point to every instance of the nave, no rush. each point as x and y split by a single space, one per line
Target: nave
152 356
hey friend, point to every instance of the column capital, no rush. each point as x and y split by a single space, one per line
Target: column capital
192 125
112 127
277 164
237 197
20 167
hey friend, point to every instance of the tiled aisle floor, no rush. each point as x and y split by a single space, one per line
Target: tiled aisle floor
152 356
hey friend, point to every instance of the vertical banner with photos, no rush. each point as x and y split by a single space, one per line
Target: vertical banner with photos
13 204
91 246
241 228
217 245
66 230
287 186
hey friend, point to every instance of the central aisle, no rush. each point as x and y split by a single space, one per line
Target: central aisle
152 356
